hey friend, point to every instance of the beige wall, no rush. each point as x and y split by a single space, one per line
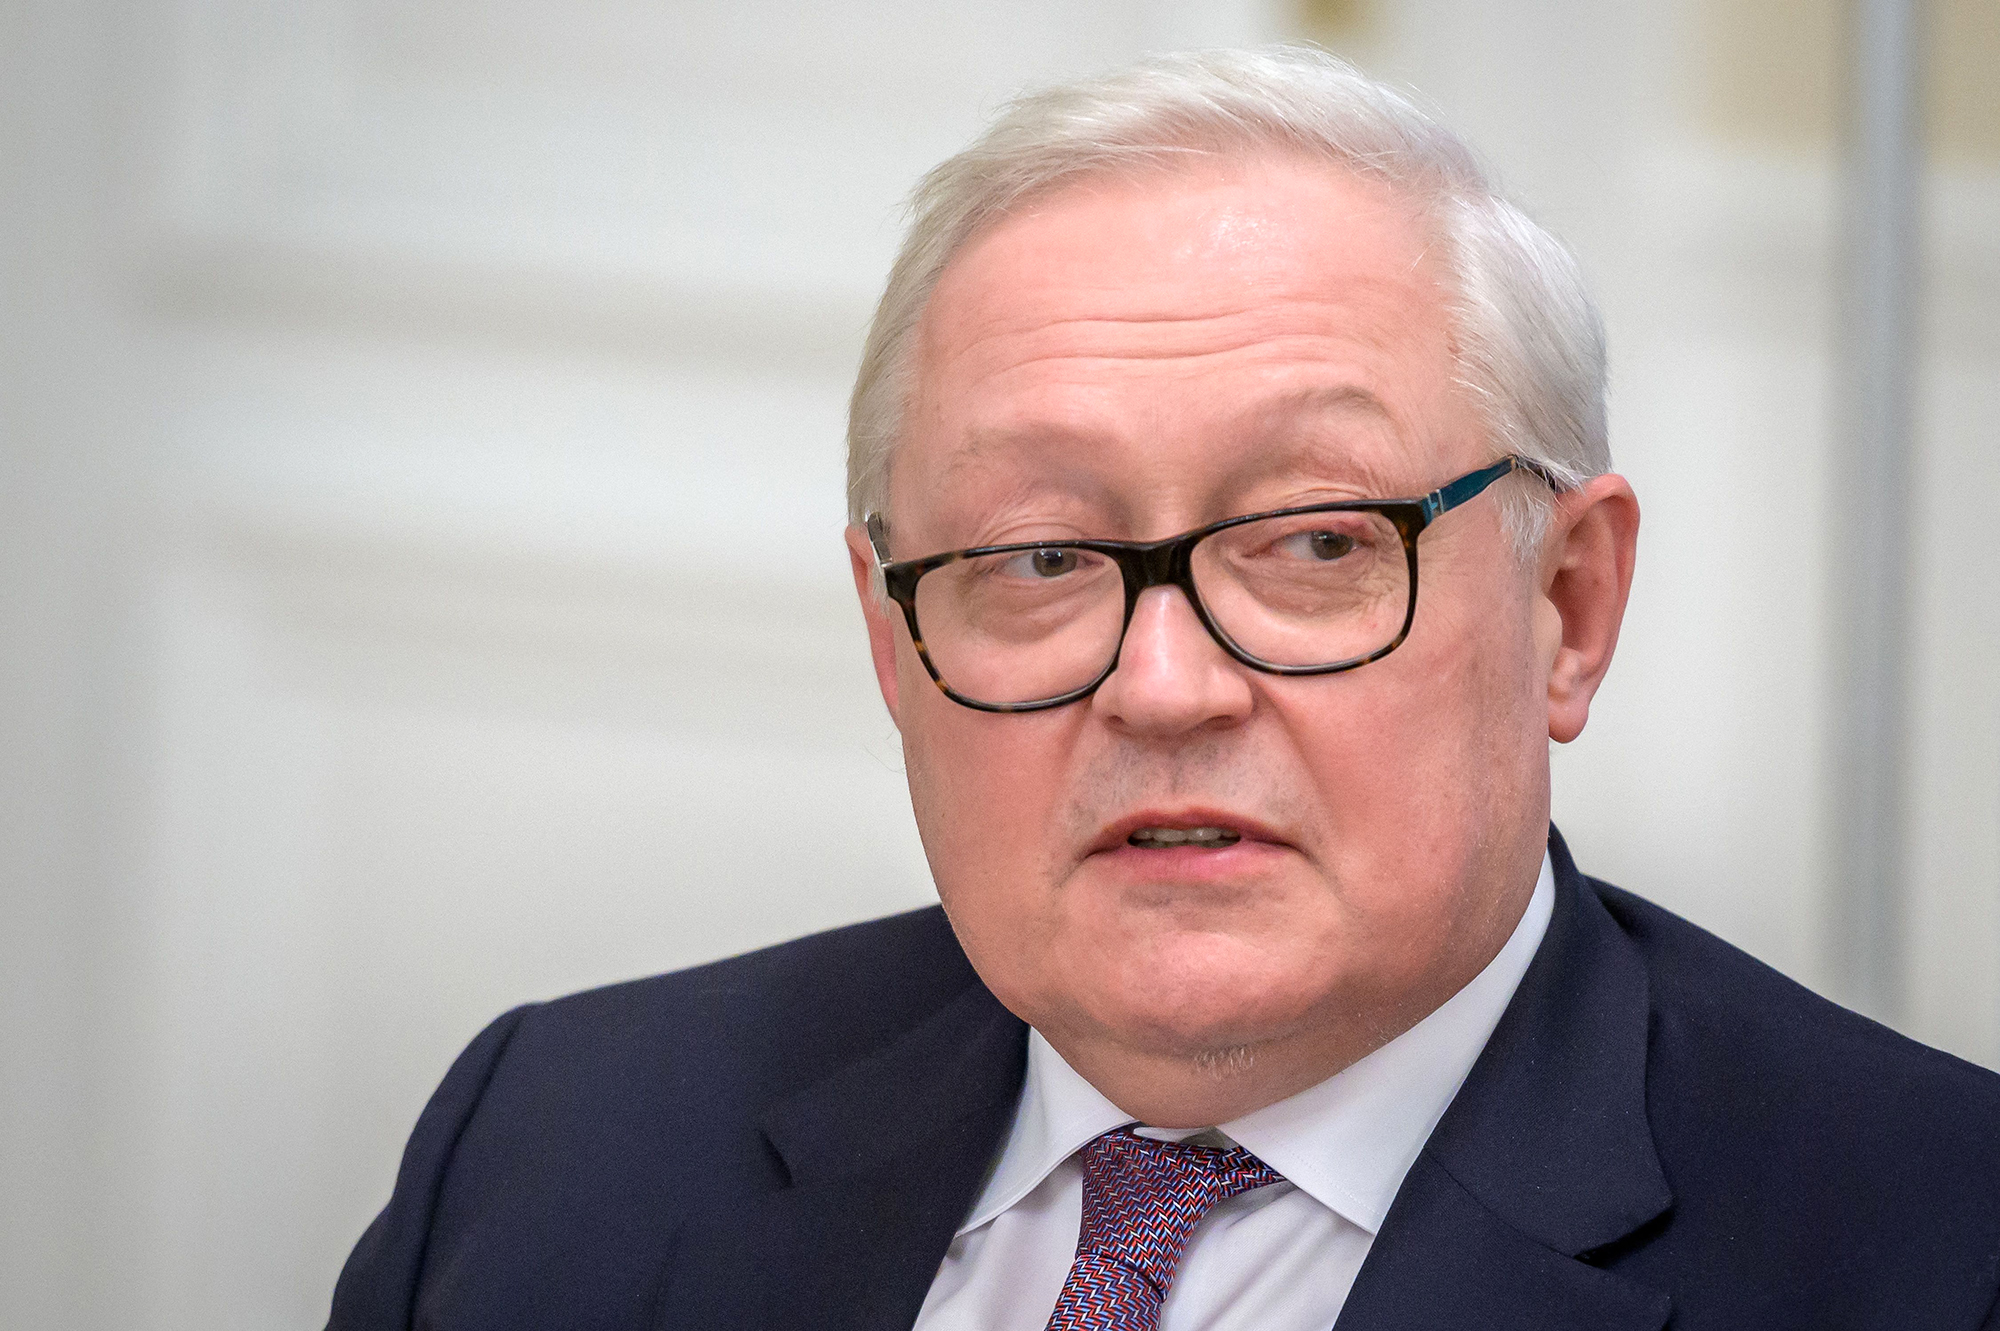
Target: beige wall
419 558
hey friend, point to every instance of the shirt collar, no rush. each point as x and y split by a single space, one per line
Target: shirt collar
1346 1142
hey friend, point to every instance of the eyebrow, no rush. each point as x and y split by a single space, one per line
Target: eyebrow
1052 441
1308 453
1331 398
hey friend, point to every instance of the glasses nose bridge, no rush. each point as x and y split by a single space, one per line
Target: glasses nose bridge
1159 564
1168 563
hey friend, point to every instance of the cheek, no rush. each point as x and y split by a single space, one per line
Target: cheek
1492 752
985 791
1431 747
985 788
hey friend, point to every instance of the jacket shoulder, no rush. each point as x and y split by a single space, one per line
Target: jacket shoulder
1743 1008
843 984
1849 1166
554 1167
767 1021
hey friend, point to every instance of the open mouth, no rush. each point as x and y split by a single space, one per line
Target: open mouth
1165 838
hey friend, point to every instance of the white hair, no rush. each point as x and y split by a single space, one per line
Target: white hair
1529 341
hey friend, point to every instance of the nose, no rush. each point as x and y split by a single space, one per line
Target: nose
1172 677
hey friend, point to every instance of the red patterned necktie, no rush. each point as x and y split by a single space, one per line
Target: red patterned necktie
1141 1200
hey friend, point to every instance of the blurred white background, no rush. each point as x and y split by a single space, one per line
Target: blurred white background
420 577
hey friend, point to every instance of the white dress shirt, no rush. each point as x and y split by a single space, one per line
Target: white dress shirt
1277 1258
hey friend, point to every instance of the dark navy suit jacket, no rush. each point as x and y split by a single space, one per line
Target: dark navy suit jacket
1661 1131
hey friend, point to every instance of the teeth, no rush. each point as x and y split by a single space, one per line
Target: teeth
1158 837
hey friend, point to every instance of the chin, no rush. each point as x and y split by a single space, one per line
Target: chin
1210 1012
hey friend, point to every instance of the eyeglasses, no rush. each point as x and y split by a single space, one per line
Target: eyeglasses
1295 591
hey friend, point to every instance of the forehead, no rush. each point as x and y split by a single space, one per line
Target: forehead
1229 321
1206 237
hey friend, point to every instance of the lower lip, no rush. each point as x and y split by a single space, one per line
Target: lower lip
1184 864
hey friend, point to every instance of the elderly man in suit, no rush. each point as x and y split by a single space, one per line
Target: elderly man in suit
1234 524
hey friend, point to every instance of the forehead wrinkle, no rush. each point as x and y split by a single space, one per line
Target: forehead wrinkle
1369 315
1277 414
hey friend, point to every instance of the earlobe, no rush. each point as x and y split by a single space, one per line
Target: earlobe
1587 576
879 616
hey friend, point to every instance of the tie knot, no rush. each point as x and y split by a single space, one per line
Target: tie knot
1143 1198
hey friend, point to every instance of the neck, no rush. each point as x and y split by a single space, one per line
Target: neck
1199 1086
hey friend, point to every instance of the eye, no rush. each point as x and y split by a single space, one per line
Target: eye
1320 545
1050 563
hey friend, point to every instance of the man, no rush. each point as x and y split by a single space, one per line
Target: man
1262 993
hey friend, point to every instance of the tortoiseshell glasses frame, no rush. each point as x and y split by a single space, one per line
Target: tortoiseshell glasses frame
1170 563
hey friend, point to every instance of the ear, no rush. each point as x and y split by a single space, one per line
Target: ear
1586 575
877 610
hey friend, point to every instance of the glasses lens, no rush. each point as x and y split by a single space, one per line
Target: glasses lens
1022 626
1307 589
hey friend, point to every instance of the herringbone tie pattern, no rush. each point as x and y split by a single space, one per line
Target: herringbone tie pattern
1141 1200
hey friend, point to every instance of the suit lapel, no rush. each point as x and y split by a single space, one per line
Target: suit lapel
1444 1260
885 1158
1544 1158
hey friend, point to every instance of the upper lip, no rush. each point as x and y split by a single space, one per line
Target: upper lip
1115 834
